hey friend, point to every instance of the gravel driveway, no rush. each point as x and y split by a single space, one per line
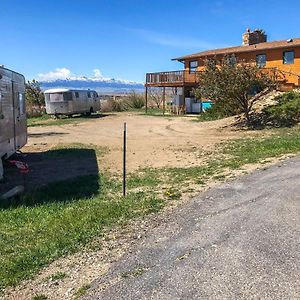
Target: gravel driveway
240 240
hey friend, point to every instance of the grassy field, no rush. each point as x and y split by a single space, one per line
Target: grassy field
63 217
47 120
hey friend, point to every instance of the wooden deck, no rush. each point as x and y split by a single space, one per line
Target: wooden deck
172 79
184 78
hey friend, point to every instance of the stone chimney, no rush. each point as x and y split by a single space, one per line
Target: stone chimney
254 37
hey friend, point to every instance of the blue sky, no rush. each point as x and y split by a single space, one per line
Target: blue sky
126 39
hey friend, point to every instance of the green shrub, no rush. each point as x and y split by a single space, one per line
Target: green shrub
134 101
219 110
117 104
287 110
128 102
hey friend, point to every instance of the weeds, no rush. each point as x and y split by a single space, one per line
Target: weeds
40 297
46 120
135 273
56 276
82 291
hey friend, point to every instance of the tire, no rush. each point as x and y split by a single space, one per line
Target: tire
89 112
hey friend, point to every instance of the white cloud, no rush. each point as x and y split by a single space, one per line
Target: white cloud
98 75
59 73
64 73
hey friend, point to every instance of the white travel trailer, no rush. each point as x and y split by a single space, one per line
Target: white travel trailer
70 102
13 123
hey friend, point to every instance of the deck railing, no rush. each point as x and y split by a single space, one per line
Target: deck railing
182 77
171 77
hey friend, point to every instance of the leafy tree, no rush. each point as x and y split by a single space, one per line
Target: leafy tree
34 94
234 85
155 95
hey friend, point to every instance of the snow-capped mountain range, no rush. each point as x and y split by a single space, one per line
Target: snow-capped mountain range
63 78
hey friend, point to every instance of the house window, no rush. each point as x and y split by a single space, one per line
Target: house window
288 57
261 60
193 65
76 94
231 60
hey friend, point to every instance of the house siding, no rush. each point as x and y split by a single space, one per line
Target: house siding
274 59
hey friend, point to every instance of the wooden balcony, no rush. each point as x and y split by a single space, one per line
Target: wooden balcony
172 79
184 78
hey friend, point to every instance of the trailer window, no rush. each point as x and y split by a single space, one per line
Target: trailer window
89 95
76 94
68 96
22 104
57 97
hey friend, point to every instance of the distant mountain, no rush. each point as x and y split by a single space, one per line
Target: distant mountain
100 85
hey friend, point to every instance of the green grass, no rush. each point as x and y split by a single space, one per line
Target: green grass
40 297
82 291
39 121
63 217
56 276
205 117
135 273
157 112
75 150
47 120
253 150
50 225
145 178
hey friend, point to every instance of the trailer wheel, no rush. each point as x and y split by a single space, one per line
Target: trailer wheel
89 112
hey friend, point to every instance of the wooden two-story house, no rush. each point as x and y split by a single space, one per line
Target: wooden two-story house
283 56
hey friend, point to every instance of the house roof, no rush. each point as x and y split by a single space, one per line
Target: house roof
240 49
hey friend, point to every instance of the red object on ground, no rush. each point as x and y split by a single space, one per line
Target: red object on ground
23 167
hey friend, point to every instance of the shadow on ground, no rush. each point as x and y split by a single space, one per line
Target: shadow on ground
54 176
45 134
87 116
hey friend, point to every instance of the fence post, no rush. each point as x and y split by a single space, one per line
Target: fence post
124 160
146 99
164 100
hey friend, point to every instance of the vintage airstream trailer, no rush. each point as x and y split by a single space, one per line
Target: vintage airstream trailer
13 123
70 102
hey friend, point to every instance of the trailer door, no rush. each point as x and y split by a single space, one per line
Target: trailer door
20 123
7 128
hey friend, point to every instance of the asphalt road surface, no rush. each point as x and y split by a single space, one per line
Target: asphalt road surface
240 240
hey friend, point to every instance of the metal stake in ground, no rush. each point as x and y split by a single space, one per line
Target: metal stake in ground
124 160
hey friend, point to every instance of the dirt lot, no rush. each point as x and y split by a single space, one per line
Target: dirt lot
152 141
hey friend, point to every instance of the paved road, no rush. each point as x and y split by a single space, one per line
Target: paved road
240 240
